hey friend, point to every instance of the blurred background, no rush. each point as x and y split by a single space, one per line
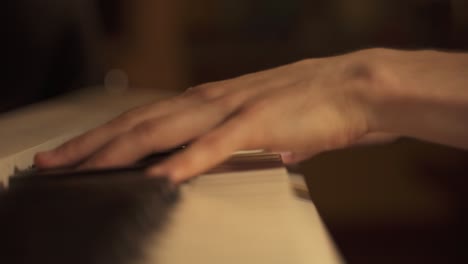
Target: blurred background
400 203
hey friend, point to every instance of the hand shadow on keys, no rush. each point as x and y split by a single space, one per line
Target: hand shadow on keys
83 221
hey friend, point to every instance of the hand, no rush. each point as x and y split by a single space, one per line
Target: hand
299 110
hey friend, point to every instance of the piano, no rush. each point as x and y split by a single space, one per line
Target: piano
249 209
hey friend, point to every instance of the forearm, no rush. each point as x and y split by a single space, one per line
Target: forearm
421 94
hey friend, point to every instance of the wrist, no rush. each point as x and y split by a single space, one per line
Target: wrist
379 90
419 94
370 80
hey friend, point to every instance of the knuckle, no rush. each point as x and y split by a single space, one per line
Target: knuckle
227 102
126 118
118 142
145 131
206 91
212 140
257 107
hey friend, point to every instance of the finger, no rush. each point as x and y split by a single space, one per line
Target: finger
208 151
376 138
162 134
83 146
295 157
79 148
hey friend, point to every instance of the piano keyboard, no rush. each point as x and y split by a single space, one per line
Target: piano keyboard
244 211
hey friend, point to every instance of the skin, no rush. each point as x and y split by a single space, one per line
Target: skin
299 110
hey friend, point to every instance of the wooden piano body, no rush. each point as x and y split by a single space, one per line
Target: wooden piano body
243 216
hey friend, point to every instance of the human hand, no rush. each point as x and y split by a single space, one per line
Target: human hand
299 110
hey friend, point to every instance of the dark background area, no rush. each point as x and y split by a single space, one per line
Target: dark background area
404 202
